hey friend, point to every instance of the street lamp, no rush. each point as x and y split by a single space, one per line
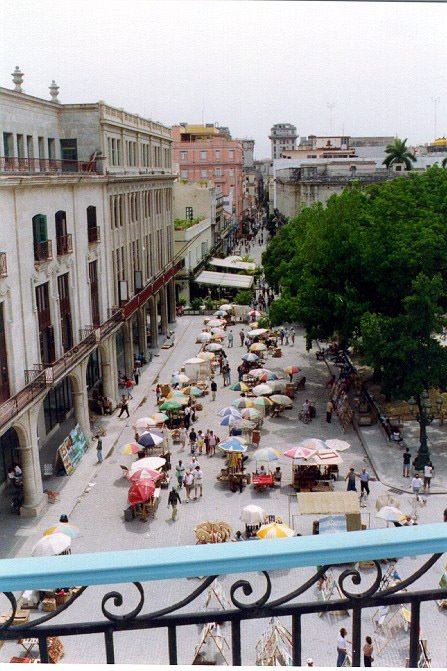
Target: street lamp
421 409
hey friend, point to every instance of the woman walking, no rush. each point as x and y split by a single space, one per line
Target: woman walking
368 650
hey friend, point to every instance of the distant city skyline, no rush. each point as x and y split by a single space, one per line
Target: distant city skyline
352 68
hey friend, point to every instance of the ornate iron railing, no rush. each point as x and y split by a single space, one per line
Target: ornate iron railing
94 234
15 165
210 561
64 244
43 251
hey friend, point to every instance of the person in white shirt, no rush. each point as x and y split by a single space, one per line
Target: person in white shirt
416 484
189 484
193 465
428 474
342 647
198 481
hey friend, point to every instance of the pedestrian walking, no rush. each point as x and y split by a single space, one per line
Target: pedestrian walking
99 449
213 387
180 473
350 477
158 393
188 483
192 441
230 339
183 436
136 375
407 461
292 336
198 481
286 336
281 336
206 440
187 420
173 500
242 337
416 484
129 386
329 410
200 442
364 482
212 443
428 474
124 406
368 650
342 646
193 464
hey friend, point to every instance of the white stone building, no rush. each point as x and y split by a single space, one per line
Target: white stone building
86 266
283 137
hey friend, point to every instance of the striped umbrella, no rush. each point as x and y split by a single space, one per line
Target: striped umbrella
262 402
140 492
275 530
255 314
150 438
258 347
178 396
229 410
291 370
144 474
257 372
314 443
131 448
250 357
233 445
239 386
144 423
192 391
267 377
250 413
266 454
51 545
66 528
241 403
230 420
299 452
280 399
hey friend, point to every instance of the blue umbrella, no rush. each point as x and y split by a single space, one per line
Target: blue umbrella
233 445
228 420
229 410
150 438
251 356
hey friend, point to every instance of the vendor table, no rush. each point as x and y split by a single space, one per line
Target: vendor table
263 481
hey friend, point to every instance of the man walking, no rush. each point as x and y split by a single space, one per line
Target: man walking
173 500
213 389
198 481
364 482
124 406
242 337
189 483
230 339
136 375
407 461
192 441
180 473
329 409
416 484
99 449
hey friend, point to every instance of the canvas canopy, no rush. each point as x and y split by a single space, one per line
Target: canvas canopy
332 503
231 262
225 279
197 369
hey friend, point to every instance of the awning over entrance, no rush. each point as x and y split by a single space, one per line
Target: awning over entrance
328 503
230 262
225 280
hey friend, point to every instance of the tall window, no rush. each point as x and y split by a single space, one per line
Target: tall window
94 294
218 172
91 216
231 154
183 155
65 312
203 155
204 173
217 154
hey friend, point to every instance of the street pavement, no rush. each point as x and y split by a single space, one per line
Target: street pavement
96 495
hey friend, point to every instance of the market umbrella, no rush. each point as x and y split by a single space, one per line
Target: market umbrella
280 374
192 391
205 336
251 357
144 423
51 545
159 417
229 410
258 347
229 420
314 443
291 370
220 313
150 438
280 399
252 515
255 314
267 376
391 514
144 474
206 356
262 389
213 347
257 372
250 413
275 530
131 448
257 332
152 463
215 323
218 337
337 444
239 386
227 307
63 528
177 395
262 402
278 386
179 378
327 458
299 452
218 330
266 454
241 403
233 445
140 492
171 405
242 424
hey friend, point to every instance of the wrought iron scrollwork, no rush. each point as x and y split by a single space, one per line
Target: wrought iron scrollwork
13 601
247 589
356 578
118 601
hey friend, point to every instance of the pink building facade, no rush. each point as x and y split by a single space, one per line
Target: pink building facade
208 154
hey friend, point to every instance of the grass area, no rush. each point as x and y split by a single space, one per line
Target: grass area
184 224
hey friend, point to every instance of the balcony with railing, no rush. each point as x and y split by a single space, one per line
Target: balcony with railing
151 593
64 244
3 265
94 234
43 251
14 165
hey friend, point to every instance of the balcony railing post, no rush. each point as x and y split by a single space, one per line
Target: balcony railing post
236 642
415 633
172 643
296 640
356 635
110 648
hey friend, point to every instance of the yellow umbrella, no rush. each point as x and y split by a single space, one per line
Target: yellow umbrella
258 347
275 530
63 528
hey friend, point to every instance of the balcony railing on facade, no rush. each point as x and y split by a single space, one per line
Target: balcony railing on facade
43 251
94 234
252 596
3 265
14 165
64 244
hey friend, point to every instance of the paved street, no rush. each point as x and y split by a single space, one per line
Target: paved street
95 498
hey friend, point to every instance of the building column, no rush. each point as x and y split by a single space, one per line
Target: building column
129 356
109 370
142 335
80 398
164 310
34 499
154 321
172 314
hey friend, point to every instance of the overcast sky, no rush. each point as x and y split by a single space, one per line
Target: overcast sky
247 64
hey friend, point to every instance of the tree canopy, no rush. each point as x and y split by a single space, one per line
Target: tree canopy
363 266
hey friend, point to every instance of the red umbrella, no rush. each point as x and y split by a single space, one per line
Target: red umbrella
141 491
144 474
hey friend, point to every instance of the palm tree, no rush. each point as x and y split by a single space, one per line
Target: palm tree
399 153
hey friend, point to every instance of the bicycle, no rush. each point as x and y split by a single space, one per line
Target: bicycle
304 417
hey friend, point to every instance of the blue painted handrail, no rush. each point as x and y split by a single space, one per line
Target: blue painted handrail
105 568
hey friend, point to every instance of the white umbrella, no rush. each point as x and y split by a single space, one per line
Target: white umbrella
181 378
144 423
278 385
391 514
280 399
52 545
215 322
337 444
314 444
252 515
213 347
262 390
227 307
257 332
204 337
218 331
206 356
152 463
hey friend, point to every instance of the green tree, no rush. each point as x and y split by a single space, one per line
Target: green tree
244 297
398 152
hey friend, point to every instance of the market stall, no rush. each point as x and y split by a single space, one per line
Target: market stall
197 368
317 473
333 504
